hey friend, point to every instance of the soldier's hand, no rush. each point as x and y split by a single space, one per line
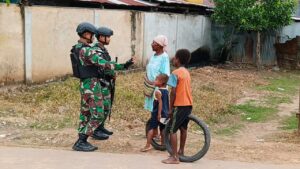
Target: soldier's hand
109 66
114 77
129 63
134 60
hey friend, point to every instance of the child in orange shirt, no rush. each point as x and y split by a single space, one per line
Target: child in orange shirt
180 103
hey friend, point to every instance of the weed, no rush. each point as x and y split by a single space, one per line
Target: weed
254 113
56 105
275 100
230 130
290 123
283 84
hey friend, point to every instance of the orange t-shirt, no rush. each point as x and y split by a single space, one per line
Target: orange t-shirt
183 87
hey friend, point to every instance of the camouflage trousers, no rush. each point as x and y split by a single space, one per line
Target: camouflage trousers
92 110
106 93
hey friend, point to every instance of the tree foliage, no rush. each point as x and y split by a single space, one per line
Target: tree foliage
6 1
254 15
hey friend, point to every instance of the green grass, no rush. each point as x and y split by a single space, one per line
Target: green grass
56 105
280 89
274 100
51 123
228 131
290 123
254 113
283 84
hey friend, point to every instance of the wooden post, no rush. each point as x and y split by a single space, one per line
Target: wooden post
298 115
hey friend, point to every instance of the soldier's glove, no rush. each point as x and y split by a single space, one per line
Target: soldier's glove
108 66
110 74
128 63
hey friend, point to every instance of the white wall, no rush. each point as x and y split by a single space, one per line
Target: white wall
182 31
290 31
159 24
11 44
50 32
53 35
193 32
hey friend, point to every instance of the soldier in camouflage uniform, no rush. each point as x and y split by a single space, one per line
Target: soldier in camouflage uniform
86 63
103 35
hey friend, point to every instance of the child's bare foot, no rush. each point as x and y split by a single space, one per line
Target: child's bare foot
145 149
180 153
171 160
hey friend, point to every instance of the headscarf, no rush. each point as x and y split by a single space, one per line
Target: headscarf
162 40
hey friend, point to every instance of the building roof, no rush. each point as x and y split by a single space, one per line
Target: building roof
206 3
123 2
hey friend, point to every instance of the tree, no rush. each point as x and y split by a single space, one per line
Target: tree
7 2
254 15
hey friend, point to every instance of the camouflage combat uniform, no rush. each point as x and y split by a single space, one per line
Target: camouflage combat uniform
92 110
109 77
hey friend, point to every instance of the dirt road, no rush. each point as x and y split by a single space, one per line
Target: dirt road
29 158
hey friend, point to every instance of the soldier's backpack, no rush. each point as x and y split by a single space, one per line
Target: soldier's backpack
81 71
75 61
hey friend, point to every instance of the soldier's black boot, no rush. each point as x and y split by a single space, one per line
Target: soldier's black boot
82 144
100 135
106 131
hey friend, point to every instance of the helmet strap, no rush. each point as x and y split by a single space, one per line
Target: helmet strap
103 42
89 40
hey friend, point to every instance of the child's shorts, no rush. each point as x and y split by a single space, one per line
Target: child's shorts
180 118
154 123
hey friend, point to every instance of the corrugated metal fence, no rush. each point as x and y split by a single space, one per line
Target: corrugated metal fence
244 44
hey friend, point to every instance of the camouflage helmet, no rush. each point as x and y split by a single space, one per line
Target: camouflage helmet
85 27
104 31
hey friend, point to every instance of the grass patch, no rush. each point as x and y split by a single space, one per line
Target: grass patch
228 131
290 123
50 123
274 100
288 84
254 113
56 105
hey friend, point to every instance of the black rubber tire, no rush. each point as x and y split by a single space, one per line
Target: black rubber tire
201 152
156 145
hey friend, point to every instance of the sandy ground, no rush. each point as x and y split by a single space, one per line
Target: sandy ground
262 143
29 158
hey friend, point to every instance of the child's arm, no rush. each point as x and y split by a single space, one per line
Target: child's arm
172 100
147 80
158 97
173 83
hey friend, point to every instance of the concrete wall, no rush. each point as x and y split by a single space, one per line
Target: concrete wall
290 32
42 49
159 24
193 32
53 34
120 22
182 31
11 44
51 42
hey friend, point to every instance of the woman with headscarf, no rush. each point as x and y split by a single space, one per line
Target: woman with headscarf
159 63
